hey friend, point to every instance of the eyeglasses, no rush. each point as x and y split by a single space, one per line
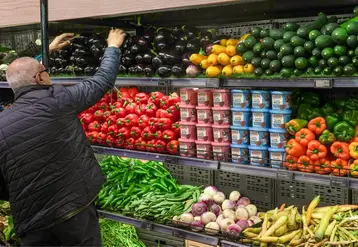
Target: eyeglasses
45 70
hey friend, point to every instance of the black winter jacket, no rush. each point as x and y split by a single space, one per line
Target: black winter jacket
48 169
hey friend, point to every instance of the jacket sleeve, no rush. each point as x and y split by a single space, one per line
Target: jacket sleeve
4 194
86 93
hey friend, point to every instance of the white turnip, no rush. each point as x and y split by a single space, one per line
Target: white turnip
224 224
227 204
210 190
219 198
229 214
242 214
199 208
234 230
208 217
212 228
255 219
220 218
252 209
197 225
234 196
206 198
186 219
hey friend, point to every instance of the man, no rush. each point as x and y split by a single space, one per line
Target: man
48 170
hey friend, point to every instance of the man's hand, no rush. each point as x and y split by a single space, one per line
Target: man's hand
60 42
116 38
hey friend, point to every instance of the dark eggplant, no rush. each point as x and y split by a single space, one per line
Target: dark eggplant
186 60
148 71
188 28
164 71
149 34
139 59
78 46
128 53
84 61
72 59
80 52
61 71
89 70
127 61
97 51
147 58
131 70
142 44
177 31
78 70
134 49
162 46
180 47
69 69
171 58
63 62
206 39
58 61
164 36
193 45
128 42
178 70
80 40
64 53
122 69
156 62
139 69
207 34
53 71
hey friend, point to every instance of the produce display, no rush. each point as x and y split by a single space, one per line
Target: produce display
118 234
214 213
324 136
134 120
144 189
313 226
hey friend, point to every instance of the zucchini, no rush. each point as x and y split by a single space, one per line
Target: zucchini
324 41
290 26
276 34
316 25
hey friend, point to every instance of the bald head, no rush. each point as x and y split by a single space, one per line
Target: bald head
21 72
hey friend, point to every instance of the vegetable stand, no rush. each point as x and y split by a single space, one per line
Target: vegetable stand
254 164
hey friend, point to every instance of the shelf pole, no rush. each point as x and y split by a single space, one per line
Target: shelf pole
44 32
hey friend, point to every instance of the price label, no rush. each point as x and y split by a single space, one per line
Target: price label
171 160
162 82
339 182
285 175
98 150
323 83
178 233
146 225
212 83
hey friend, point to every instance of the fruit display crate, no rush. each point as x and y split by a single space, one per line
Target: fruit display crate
155 239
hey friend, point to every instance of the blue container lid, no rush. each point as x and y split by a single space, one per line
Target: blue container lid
260 110
281 150
239 128
240 91
281 92
239 145
258 148
278 130
281 111
240 109
260 91
258 129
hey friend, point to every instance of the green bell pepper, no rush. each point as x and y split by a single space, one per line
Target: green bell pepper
328 109
306 112
327 138
343 131
340 103
351 117
331 121
311 98
351 104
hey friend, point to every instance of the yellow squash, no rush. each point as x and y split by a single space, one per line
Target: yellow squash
238 69
213 59
232 42
249 68
197 58
217 49
227 70
214 71
231 50
224 59
237 60
204 64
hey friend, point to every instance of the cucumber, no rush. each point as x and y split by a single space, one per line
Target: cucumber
286 49
349 70
298 72
327 53
301 63
339 35
313 62
286 72
310 71
316 25
299 51
314 34
352 41
317 71
324 41
241 48
352 28
267 43
332 62
256 62
338 71
265 63
278 43
250 41
264 33
297 41
268 72
259 71
257 49
275 66
344 60
322 63
288 61
272 55
255 31
276 33
355 62
309 46
279 56
316 52
263 54
340 50
288 35
328 28
290 26
327 71
248 56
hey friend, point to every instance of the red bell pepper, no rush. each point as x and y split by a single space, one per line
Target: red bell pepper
153 123
101 139
155 98
316 151
113 130
165 123
124 133
120 143
340 167
120 112
143 121
173 147
305 164
169 135
157 135
104 106
136 132
130 143
110 140
173 98
87 118
112 119
131 108
140 109
99 116
151 110
160 146
176 128
93 136
141 144
141 98
291 162
164 102
147 134
131 120
151 145
104 128
132 92
340 150
322 166
161 113
121 122
94 126
117 105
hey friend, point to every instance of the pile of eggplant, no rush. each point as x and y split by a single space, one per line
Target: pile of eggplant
162 51
81 57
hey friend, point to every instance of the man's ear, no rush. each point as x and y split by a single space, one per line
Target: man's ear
38 78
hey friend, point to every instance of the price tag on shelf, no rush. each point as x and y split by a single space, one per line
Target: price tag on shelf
285 175
323 83
147 225
163 82
178 233
339 182
212 83
98 150
171 160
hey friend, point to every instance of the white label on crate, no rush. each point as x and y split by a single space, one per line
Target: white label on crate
257 99
184 113
275 139
276 157
183 147
256 156
217 134
202 115
235 135
258 117
184 131
277 120
184 95
277 100
238 116
217 116
254 137
201 149
217 151
200 131
202 97
238 98
217 97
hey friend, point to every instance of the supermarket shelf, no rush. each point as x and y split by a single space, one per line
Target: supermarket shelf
225 243
248 169
195 82
187 161
4 84
172 231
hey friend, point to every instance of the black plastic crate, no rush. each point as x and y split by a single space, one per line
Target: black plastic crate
190 174
355 196
259 190
301 193
155 239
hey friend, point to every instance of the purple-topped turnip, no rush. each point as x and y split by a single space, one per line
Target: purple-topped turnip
234 230
243 201
207 199
242 214
210 190
234 196
252 209
227 204
199 208
243 224
225 223
216 209
197 225
219 198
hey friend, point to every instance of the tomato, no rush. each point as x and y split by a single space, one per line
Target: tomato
130 108
140 144
133 91
110 141
169 135
143 121
140 109
161 113
173 147
119 112
131 120
165 123
155 98
93 136
151 146
119 143
123 133
164 104
94 126
176 128
173 98
87 118
103 106
129 144
136 132
104 128
147 134
101 139
99 116
113 130
141 98
160 146
153 123
158 135
151 109
112 119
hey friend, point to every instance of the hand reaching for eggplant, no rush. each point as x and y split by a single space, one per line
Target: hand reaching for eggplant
116 38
